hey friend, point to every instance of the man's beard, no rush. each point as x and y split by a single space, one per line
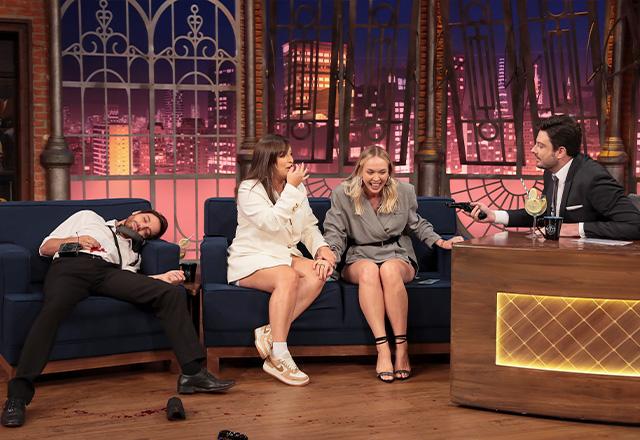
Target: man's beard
129 223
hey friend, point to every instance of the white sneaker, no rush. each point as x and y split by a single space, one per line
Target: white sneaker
264 340
285 369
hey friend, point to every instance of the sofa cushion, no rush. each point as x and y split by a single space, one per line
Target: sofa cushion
236 309
28 223
97 326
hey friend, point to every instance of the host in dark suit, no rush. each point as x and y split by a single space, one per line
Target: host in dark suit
577 188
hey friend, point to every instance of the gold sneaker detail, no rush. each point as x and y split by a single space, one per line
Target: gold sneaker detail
285 370
264 340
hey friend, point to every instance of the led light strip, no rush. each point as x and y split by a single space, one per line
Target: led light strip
577 335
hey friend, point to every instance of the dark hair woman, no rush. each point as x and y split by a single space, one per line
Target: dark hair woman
273 217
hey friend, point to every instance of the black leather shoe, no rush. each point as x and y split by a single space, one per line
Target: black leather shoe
202 382
14 412
175 410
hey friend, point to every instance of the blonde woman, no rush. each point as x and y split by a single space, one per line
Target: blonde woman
273 217
374 211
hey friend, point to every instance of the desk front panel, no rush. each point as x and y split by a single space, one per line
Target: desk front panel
549 331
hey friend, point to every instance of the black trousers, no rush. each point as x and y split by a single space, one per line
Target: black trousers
69 281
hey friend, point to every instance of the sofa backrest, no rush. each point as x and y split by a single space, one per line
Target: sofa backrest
28 223
320 206
221 217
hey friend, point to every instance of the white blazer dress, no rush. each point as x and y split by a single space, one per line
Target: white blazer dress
267 233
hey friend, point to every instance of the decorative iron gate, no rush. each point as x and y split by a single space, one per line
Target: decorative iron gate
150 101
341 77
508 63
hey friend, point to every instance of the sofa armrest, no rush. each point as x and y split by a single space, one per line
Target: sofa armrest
213 260
159 256
444 263
15 269
15 274
443 257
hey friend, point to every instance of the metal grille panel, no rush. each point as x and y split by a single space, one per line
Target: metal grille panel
151 102
341 77
578 335
505 68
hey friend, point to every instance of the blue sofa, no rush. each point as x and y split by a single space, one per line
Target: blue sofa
109 331
334 324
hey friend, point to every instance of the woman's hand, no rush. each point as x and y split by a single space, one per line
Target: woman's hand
325 253
297 174
323 269
448 244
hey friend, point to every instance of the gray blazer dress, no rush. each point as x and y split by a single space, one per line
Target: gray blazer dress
374 236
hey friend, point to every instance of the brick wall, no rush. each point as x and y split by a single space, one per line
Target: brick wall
423 52
258 62
441 98
261 88
36 12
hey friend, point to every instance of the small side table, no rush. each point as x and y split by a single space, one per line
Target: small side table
194 290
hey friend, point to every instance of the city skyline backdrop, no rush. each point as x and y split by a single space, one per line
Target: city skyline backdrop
157 120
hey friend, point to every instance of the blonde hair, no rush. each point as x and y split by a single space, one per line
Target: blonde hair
353 183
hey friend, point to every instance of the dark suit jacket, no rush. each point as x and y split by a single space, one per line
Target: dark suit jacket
591 196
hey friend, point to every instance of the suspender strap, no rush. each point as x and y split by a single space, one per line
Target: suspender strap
117 245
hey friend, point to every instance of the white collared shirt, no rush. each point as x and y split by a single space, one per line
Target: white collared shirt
561 175
89 223
502 217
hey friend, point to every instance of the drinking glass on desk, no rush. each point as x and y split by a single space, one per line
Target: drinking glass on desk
535 205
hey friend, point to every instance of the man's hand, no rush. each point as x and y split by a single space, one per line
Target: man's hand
325 253
51 246
448 244
570 230
479 207
171 277
87 242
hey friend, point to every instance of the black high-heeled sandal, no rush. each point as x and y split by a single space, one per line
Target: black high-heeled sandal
385 376
401 374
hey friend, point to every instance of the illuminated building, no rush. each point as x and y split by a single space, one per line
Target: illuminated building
119 152
307 74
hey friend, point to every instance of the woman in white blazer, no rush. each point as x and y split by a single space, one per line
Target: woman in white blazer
273 217
375 213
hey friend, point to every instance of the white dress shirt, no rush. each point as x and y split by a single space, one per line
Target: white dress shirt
89 223
502 217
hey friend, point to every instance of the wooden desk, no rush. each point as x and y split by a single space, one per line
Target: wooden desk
548 328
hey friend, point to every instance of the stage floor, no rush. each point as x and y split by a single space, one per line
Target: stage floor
343 401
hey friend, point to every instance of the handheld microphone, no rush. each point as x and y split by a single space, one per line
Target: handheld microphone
466 206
